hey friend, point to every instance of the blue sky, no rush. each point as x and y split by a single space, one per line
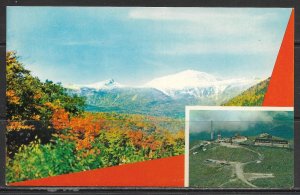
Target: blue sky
135 45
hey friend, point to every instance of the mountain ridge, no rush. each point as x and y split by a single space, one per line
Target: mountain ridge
110 96
185 83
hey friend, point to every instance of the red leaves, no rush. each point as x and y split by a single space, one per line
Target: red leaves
82 130
86 129
86 125
141 140
136 138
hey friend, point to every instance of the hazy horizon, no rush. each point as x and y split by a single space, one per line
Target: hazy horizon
237 120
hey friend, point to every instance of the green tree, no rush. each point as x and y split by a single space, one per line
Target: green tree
30 104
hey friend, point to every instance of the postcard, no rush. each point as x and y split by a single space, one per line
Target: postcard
96 96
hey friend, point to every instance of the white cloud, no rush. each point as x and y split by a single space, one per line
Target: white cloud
240 47
191 14
233 121
208 30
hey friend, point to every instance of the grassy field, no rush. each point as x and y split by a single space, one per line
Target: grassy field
278 161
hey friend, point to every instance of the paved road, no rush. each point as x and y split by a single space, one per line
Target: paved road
239 171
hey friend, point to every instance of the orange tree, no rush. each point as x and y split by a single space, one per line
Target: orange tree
30 105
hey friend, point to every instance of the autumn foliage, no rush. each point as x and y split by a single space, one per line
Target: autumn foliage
50 134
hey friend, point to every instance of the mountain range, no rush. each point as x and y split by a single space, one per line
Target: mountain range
162 96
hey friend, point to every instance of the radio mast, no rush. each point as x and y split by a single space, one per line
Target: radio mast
212 131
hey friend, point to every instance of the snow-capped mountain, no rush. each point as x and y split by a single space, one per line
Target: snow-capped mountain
197 84
181 80
107 84
163 96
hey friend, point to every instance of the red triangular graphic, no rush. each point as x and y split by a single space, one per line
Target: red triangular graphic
281 88
164 172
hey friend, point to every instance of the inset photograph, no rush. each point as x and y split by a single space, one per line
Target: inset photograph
239 147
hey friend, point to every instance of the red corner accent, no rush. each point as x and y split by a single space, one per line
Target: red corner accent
165 172
281 88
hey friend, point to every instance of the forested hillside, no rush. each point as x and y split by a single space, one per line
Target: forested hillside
253 96
49 133
31 105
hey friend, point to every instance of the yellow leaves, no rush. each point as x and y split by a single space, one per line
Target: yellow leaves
54 106
10 57
180 135
37 96
93 151
38 107
12 97
150 154
17 126
51 106
16 118
123 160
169 138
36 117
140 124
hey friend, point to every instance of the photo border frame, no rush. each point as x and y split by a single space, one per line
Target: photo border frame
217 108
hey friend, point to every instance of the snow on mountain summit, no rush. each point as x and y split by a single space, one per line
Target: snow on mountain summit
107 84
188 83
196 83
111 83
181 80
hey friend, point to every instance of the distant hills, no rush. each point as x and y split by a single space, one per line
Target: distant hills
163 96
253 96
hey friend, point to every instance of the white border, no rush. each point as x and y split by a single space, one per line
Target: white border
187 147
252 108
187 125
